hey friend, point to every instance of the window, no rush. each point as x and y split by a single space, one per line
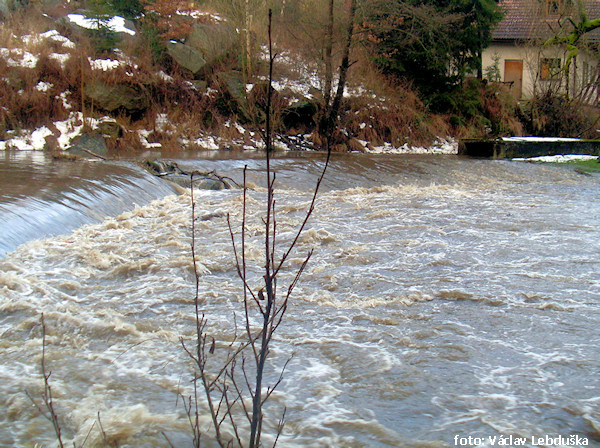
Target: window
550 68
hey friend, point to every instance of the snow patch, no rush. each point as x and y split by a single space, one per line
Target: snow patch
163 76
34 39
63 98
539 139
69 129
116 23
207 142
557 158
143 135
195 14
17 57
28 141
57 37
62 58
104 64
440 146
43 86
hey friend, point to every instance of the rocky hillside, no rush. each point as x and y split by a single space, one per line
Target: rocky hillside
72 79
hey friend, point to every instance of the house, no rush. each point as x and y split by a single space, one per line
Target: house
519 57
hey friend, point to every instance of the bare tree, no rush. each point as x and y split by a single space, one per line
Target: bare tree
235 392
47 410
332 102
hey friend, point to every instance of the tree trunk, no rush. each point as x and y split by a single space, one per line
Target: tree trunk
331 111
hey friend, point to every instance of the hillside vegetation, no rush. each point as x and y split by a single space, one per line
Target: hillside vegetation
182 75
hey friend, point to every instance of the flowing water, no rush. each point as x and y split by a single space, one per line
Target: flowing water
445 297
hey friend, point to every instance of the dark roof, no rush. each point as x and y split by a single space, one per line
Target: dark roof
528 19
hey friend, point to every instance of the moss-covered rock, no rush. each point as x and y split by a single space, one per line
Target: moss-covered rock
118 96
186 56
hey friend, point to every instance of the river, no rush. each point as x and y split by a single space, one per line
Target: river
446 297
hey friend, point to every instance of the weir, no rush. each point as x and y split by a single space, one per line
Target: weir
517 147
40 198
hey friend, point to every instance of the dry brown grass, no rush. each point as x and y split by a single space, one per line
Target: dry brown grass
383 112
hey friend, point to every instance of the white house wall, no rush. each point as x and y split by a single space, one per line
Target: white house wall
531 57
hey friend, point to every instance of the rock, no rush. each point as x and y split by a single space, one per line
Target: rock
300 115
187 56
212 184
118 96
214 41
201 183
183 180
355 146
199 85
4 9
162 167
232 83
109 128
206 45
89 146
7 7
171 172
233 93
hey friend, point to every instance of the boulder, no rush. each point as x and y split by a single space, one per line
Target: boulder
171 172
199 85
213 41
89 146
206 45
4 9
232 83
187 56
212 184
233 94
7 7
118 96
109 128
202 183
300 115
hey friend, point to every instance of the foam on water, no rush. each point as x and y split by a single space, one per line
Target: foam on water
453 297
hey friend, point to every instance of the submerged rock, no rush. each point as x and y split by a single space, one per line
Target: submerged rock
171 172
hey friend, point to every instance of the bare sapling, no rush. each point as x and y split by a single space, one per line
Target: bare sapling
235 391
47 408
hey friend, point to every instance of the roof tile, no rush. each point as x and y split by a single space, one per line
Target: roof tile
528 19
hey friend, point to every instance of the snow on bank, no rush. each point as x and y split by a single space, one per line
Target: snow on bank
539 139
197 14
28 140
440 146
16 57
557 159
116 23
19 57
65 132
53 35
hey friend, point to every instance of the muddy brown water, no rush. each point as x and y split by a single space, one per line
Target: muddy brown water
446 297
